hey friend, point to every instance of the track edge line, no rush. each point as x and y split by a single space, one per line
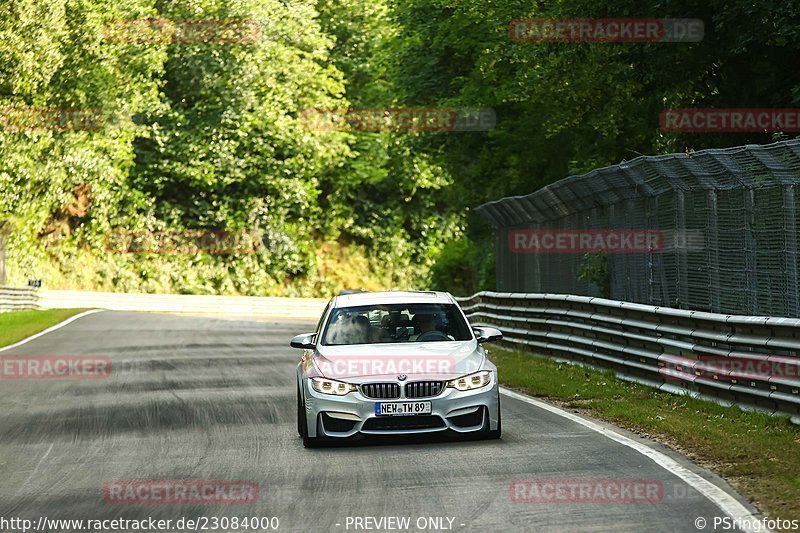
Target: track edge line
717 495
51 329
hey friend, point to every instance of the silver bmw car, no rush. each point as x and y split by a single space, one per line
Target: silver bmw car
395 363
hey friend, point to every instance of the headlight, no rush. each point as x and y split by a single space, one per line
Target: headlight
330 386
472 381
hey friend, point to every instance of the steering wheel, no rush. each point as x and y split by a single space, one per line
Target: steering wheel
433 335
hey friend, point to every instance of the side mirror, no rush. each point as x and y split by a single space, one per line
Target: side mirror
488 334
304 341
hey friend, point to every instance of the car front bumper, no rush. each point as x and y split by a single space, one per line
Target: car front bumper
452 410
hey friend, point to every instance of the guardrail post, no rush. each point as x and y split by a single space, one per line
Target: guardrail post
680 251
652 263
789 214
617 267
502 258
531 273
750 265
713 251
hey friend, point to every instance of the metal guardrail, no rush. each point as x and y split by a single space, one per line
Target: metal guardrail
750 361
15 299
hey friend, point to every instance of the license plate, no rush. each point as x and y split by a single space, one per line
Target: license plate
403 408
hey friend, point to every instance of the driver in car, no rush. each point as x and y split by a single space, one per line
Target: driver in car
427 327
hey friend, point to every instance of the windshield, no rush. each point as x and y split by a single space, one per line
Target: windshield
372 324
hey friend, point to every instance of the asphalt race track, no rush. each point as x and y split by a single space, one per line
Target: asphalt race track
212 399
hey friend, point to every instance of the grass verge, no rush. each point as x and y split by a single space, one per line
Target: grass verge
757 454
17 325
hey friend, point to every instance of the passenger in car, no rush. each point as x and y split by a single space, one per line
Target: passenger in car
366 333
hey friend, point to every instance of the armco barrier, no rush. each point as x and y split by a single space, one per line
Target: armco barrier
746 360
233 306
16 299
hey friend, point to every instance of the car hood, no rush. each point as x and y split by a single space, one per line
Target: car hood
424 360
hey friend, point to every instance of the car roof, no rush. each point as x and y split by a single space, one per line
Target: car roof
392 297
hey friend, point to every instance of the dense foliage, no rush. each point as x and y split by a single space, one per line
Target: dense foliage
207 135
